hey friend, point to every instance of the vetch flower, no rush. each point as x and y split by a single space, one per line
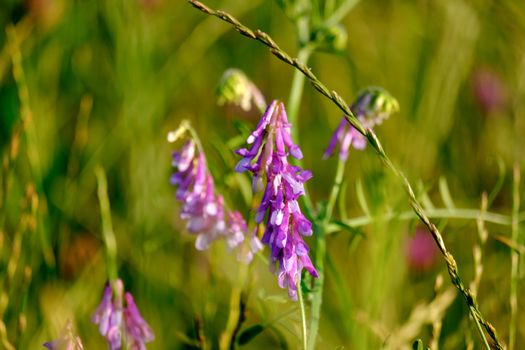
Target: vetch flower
203 209
372 106
68 340
267 158
235 87
121 324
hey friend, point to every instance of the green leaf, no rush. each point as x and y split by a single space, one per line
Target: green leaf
417 345
343 226
361 198
249 333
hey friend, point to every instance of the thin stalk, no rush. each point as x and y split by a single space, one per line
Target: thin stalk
514 258
436 213
320 256
296 91
341 12
107 227
303 315
480 330
376 144
227 336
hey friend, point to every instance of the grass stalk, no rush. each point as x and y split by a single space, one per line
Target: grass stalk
320 256
303 316
107 227
514 275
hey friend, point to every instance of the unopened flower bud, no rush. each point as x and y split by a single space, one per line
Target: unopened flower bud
235 88
331 39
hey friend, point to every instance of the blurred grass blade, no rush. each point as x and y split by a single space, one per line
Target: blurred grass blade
249 334
445 193
499 183
361 197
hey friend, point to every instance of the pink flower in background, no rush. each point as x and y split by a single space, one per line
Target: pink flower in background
421 250
489 91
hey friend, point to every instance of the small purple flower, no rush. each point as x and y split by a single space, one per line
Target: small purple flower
121 324
203 209
285 224
137 330
372 107
67 340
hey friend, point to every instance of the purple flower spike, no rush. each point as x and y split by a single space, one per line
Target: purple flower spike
285 223
203 209
138 331
372 107
121 324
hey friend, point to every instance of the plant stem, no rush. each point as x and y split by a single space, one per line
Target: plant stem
514 258
303 315
227 337
437 213
296 91
107 228
341 12
320 256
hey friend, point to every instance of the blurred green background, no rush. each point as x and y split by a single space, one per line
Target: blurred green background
91 82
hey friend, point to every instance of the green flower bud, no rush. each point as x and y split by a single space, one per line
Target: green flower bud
331 39
374 104
235 88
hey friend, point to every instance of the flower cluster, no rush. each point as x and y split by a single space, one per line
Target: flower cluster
203 209
372 106
68 340
121 324
267 157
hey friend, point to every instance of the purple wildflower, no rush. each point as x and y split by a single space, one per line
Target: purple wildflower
67 340
285 224
371 107
121 324
203 209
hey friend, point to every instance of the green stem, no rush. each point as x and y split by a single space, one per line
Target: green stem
107 227
341 12
296 91
228 335
435 213
514 258
303 315
320 256
339 173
